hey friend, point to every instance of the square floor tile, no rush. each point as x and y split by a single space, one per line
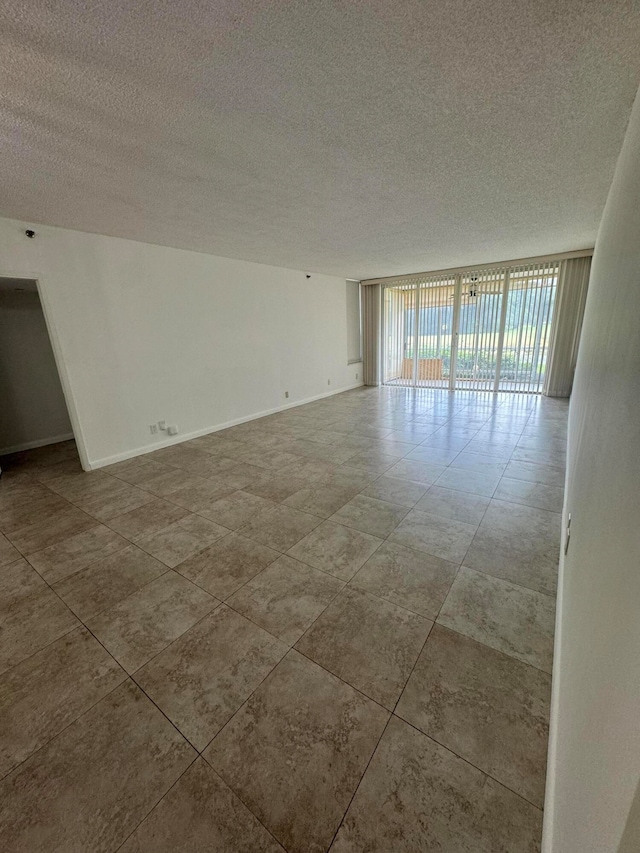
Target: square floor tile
416 795
537 495
239 477
526 521
533 473
276 487
373 460
465 480
235 510
402 492
227 565
509 618
487 707
147 519
367 642
42 695
196 498
528 562
200 813
89 787
31 615
76 553
140 626
107 581
295 752
201 679
182 539
137 470
540 456
273 460
320 499
171 480
335 549
433 455
447 442
108 503
377 518
417 472
457 506
420 582
286 598
281 527
41 534
17 580
7 552
478 462
500 450
435 535
210 466
24 506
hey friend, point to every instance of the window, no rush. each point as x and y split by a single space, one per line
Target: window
354 329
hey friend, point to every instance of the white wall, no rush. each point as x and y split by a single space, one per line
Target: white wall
144 333
594 764
33 411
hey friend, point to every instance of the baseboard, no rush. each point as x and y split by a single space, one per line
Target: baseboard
168 442
556 686
31 445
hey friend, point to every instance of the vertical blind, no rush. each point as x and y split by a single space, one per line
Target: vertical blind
354 326
567 324
372 333
487 329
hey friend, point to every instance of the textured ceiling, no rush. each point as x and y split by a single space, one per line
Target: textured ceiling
360 138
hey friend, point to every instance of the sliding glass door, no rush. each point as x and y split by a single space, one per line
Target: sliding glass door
482 330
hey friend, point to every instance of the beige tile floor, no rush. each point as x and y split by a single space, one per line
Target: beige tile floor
327 629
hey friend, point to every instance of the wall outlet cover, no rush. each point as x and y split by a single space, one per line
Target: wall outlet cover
286 394
172 430
153 429
162 425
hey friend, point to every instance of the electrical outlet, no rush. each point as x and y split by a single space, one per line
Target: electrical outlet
328 382
153 429
172 430
162 425
357 376
286 394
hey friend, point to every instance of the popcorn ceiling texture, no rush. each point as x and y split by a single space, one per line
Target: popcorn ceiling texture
357 138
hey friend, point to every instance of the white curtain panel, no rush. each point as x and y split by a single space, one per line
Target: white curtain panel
573 282
371 296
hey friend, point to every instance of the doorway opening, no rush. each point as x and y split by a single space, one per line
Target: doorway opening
35 426
483 330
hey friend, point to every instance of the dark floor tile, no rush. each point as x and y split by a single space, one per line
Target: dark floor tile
200 813
286 597
107 581
227 565
202 678
416 795
507 617
140 626
487 707
367 642
335 549
420 582
42 695
88 788
296 750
